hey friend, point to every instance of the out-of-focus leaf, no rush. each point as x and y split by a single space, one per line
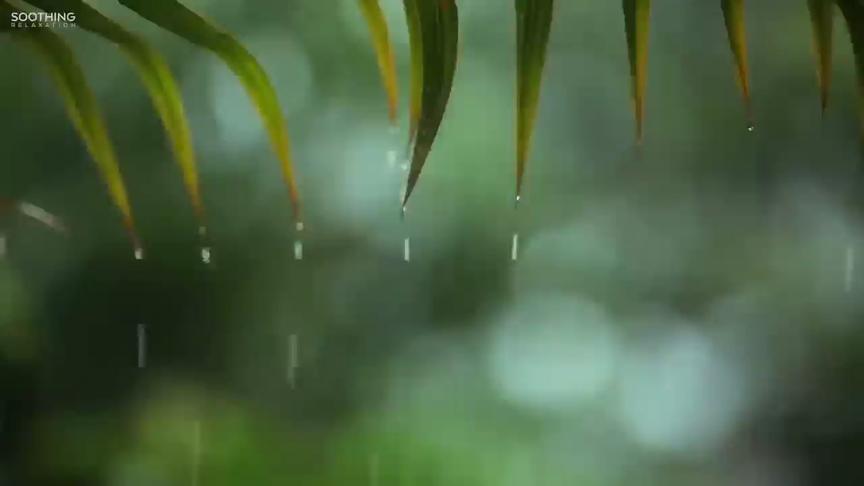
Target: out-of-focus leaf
822 18
415 37
439 27
533 24
853 12
637 19
733 14
174 17
384 50
157 79
82 108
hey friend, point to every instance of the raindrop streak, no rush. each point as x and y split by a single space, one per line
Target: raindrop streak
142 346
205 255
514 247
849 277
206 249
139 253
751 128
293 360
196 452
298 242
406 249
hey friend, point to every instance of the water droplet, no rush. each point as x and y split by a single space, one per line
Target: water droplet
751 128
206 255
142 346
406 250
298 249
514 247
139 253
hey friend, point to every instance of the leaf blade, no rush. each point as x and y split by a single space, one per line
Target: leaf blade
83 110
415 39
439 22
183 22
822 21
637 16
374 16
853 13
734 18
533 27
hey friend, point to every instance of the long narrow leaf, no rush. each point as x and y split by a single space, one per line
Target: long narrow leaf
158 80
733 15
384 50
853 12
174 17
637 20
415 39
82 108
439 25
533 24
822 18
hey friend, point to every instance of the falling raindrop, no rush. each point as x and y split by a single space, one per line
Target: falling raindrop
142 346
298 242
139 253
406 249
293 362
751 128
205 255
849 277
514 247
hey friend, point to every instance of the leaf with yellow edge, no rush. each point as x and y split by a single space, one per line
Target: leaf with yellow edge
733 14
415 39
82 108
822 19
853 12
384 50
174 17
637 20
533 25
158 80
439 27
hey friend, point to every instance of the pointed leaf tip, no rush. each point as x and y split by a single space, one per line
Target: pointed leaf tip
853 13
439 30
733 15
822 20
384 50
637 17
533 26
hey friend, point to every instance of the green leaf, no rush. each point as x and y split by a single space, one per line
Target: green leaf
415 39
533 24
822 18
82 108
384 50
439 28
174 17
733 14
853 12
637 19
158 80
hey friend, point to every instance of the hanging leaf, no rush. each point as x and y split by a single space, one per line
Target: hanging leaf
415 39
384 49
158 80
637 17
439 27
853 12
733 14
174 17
822 18
533 24
82 108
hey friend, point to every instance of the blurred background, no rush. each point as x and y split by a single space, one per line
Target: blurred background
684 314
